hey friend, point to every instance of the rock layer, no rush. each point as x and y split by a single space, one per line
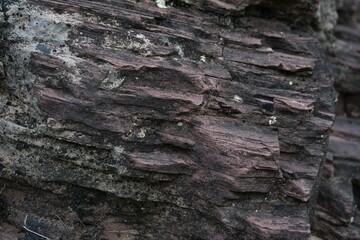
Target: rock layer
337 212
162 120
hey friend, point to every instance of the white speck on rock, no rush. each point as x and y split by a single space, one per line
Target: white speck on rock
225 220
178 48
161 4
203 58
141 134
238 99
50 120
272 120
266 50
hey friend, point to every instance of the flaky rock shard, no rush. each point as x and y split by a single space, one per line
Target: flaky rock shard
162 119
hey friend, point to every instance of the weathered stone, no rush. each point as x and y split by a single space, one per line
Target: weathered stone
163 119
336 195
337 212
337 208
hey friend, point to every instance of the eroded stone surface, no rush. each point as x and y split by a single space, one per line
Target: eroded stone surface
337 211
126 120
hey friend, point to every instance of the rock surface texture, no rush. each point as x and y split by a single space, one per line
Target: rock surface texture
161 119
338 209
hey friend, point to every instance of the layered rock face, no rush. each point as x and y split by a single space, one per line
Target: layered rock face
338 209
161 119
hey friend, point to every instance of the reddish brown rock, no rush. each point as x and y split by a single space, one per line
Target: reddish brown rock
175 120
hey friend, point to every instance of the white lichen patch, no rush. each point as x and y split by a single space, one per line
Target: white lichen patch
272 120
117 152
84 40
161 3
238 99
141 134
43 31
132 42
112 81
179 50
225 220
52 123
40 24
265 50
176 46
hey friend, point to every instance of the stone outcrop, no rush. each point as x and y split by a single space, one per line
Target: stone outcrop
338 209
161 119
337 212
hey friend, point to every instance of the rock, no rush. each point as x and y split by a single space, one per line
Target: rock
344 57
336 195
162 119
337 211
338 200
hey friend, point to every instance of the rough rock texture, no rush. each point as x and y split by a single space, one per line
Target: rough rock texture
338 209
345 56
161 120
337 212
